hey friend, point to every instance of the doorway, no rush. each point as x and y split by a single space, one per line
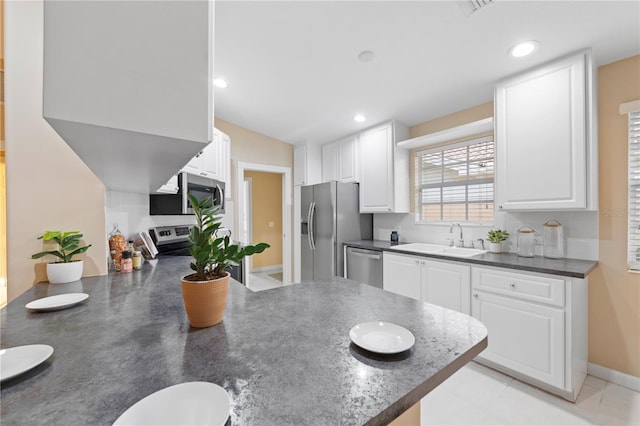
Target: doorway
264 215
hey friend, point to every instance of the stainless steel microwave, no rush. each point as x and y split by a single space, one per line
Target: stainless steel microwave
198 186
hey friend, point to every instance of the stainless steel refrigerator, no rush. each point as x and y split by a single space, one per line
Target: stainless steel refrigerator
330 216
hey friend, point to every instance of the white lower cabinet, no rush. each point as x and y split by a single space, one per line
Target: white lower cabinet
402 274
447 284
440 283
525 337
537 326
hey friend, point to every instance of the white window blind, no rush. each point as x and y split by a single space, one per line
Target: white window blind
455 182
633 251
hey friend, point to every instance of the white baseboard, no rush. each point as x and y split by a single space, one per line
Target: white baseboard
614 376
267 268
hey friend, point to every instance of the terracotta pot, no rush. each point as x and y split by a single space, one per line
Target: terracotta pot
205 301
60 273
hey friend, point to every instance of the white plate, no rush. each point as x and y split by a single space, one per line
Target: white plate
191 403
54 303
20 359
382 337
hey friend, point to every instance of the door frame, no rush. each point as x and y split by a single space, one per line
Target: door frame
287 205
248 183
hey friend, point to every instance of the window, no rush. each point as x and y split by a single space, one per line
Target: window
633 251
455 182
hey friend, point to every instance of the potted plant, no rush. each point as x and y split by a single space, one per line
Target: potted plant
496 237
65 269
205 290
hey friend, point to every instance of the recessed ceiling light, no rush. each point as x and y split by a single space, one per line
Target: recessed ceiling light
523 49
220 82
359 118
366 56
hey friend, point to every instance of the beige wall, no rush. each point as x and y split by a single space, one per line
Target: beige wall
266 200
252 147
614 293
48 186
455 119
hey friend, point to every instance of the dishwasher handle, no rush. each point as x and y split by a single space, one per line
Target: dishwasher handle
364 253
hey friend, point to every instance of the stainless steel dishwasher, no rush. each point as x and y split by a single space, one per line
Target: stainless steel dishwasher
364 266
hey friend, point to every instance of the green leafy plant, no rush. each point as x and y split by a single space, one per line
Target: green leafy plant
68 245
212 254
497 235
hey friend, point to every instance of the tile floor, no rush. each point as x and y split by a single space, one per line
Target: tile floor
262 281
477 395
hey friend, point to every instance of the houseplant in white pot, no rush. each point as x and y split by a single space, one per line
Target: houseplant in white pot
496 237
66 269
204 292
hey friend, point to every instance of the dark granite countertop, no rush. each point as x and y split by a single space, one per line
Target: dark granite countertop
576 268
283 355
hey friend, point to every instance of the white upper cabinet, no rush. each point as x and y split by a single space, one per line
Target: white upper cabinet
171 187
225 160
340 160
545 147
330 162
213 161
128 85
300 165
384 170
348 159
307 164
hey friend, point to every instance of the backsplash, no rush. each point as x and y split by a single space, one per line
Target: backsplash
580 230
131 212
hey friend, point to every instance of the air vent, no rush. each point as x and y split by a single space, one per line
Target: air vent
469 7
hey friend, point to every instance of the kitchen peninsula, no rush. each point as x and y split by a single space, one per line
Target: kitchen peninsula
283 355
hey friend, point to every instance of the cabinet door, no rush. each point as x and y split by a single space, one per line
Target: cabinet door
194 165
348 159
447 285
171 187
401 274
329 162
225 162
210 160
376 170
299 165
541 137
525 337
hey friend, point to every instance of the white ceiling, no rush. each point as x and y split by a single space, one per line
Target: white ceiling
294 74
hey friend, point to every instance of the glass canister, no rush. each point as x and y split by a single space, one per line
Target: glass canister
526 240
117 244
136 257
126 263
553 246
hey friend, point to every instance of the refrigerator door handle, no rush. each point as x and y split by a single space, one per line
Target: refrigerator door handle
309 223
312 238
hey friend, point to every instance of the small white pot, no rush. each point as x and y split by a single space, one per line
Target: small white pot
59 273
495 247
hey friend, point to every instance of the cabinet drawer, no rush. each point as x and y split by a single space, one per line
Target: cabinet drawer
522 286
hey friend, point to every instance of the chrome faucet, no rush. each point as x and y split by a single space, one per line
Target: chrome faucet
461 240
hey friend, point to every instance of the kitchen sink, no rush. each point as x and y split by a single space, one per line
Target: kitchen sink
419 247
460 251
439 249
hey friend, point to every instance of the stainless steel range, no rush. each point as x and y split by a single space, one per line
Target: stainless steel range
171 240
174 241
